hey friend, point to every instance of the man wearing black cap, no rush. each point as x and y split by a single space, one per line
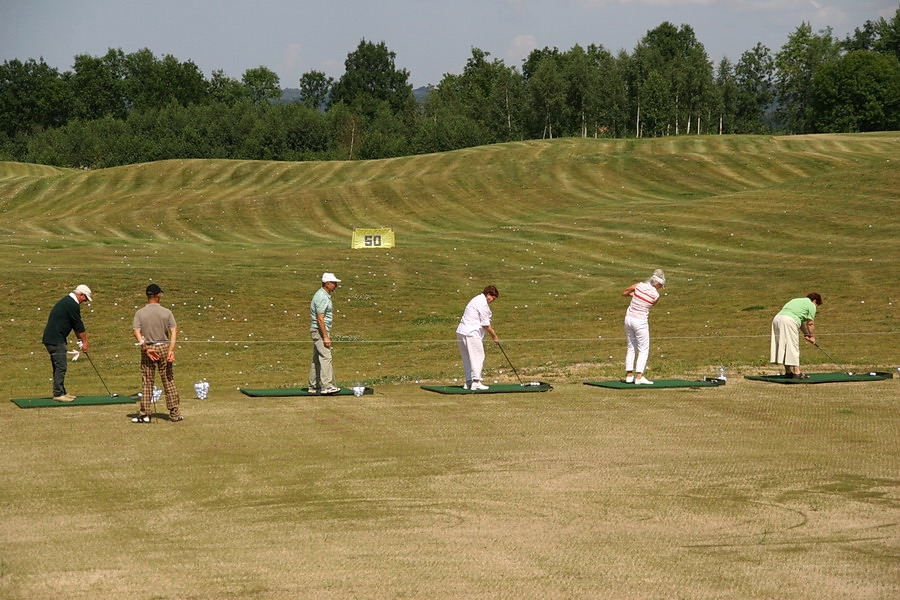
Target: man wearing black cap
156 332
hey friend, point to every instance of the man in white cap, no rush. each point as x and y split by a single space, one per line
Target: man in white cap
64 317
321 372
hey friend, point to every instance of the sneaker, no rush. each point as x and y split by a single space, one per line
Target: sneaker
176 419
312 390
331 390
629 379
141 419
64 398
643 381
477 385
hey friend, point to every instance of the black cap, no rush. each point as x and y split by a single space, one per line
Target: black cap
153 289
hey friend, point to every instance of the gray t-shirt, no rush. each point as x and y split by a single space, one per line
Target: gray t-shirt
154 321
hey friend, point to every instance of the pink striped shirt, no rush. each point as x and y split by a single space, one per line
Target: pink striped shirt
645 296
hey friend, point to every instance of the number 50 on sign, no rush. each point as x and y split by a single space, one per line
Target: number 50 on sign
373 238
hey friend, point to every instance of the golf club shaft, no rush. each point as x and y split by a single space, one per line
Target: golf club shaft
831 358
510 363
90 360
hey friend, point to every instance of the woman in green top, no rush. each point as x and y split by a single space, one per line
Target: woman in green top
796 316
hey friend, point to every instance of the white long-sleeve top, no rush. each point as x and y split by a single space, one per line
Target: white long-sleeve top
475 318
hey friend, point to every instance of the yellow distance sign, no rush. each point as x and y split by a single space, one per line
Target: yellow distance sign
372 238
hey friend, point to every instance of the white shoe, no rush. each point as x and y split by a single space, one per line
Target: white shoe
643 381
629 379
312 390
466 386
477 385
331 390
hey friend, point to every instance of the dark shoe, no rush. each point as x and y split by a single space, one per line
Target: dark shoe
176 419
141 419
801 376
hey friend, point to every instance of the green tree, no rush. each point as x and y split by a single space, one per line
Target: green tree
582 90
888 41
858 92
32 94
370 78
488 93
676 56
548 94
656 105
609 115
314 89
262 85
152 83
225 89
796 65
98 86
753 74
726 97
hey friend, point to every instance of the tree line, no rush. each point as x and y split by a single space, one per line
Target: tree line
128 108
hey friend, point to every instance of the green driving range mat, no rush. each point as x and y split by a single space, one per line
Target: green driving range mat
658 384
80 401
497 388
824 377
285 392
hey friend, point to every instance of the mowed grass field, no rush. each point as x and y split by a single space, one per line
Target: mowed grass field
752 490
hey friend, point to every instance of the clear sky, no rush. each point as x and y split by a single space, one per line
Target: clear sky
430 37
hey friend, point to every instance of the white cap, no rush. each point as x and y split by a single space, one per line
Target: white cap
327 277
83 289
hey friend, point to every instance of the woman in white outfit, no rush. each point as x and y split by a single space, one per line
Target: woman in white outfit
637 325
475 321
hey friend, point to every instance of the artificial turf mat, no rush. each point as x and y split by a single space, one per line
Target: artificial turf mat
658 383
497 388
285 392
79 401
823 377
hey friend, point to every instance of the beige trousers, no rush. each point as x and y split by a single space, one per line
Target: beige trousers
785 345
321 370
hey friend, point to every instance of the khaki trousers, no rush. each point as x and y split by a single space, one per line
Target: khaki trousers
321 370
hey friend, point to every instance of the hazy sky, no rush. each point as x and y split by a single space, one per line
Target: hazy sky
430 37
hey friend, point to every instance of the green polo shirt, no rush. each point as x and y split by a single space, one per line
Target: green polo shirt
800 309
321 304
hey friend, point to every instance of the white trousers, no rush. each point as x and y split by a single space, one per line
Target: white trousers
471 349
637 336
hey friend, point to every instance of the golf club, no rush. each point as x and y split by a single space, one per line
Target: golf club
832 359
90 360
510 363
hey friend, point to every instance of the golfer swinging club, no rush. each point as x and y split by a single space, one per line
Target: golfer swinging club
637 325
64 317
475 321
795 316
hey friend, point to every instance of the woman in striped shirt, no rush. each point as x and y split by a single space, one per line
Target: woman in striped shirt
637 326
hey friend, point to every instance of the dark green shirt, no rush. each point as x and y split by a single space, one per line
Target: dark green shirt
64 317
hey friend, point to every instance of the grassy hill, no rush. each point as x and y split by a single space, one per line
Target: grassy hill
740 224
748 490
